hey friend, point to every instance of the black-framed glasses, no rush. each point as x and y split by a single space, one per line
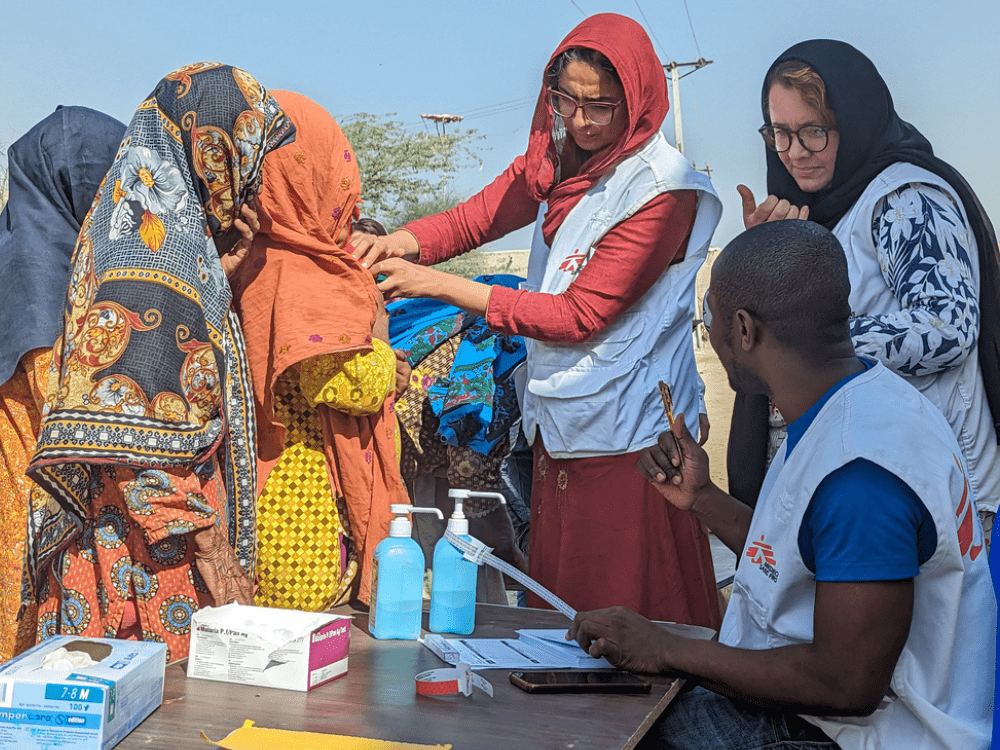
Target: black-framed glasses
597 113
813 138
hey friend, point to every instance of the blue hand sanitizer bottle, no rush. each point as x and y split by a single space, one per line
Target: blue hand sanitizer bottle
453 587
398 579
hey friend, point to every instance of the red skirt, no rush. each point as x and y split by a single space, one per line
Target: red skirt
601 536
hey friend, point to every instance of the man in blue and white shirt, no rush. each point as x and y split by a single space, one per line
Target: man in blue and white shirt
862 606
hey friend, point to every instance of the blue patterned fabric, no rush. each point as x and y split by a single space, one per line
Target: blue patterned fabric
477 403
920 240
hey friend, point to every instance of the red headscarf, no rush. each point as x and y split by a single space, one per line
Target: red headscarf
627 47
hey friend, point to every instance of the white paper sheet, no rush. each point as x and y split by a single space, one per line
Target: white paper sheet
509 653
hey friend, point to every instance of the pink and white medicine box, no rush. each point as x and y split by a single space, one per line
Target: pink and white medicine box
280 648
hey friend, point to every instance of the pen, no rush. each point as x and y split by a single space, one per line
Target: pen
668 407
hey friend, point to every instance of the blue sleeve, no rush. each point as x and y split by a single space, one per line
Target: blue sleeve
864 523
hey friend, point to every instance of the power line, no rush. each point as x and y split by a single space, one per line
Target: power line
498 112
691 24
652 33
578 8
499 108
501 104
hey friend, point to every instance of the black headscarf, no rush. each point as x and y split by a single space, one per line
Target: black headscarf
872 138
55 170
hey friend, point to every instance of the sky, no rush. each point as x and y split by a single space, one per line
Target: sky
484 60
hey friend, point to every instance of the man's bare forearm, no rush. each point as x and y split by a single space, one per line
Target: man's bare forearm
725 516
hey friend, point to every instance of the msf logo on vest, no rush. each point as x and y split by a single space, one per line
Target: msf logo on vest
967 523
761 555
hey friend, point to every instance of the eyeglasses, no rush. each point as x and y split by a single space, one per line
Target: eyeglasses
597 113
813 138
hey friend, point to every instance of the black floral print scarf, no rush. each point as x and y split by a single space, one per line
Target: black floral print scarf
150 370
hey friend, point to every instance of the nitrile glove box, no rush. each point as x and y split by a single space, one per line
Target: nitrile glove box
86 707
281 648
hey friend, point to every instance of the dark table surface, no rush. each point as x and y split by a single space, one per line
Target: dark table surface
377 698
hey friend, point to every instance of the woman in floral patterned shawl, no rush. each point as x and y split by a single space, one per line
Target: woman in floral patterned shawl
147 436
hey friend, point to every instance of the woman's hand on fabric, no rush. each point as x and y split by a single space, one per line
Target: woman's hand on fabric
626 639
403 371
703 428
241 236
217 563
370 249
676 466
400 279
772 209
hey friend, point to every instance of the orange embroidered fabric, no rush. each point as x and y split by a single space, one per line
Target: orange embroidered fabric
135 548
301 295
21 400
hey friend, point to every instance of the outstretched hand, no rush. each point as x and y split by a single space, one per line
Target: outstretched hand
626 639
772 209
401 279
676 466
217 563
369 249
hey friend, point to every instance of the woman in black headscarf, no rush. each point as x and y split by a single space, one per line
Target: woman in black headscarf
54 172
925 272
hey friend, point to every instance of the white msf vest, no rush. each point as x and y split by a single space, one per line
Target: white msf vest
941 692
601 397
958 391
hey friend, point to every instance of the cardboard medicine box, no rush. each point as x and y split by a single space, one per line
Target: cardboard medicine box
280 648
79 707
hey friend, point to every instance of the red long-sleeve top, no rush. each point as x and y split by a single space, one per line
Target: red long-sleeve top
626 261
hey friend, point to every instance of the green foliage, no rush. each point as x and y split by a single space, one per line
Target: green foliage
428 205
399 169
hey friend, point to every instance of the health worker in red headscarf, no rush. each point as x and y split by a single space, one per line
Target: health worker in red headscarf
622 224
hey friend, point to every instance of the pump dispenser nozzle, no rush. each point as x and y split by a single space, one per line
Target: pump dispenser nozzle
458 523
400 525
465 494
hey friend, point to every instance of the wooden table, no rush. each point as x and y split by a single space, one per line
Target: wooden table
377 698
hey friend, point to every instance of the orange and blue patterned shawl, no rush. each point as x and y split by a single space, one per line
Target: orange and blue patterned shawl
150 369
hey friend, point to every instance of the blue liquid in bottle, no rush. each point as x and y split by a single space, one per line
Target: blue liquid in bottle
397 581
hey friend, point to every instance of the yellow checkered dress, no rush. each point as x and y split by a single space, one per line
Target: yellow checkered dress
306 559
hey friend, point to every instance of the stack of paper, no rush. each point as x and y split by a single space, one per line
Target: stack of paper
534 649
554 640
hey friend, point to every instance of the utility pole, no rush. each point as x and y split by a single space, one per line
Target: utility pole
440 121
675 78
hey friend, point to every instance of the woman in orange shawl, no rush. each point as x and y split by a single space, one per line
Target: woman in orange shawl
323 383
